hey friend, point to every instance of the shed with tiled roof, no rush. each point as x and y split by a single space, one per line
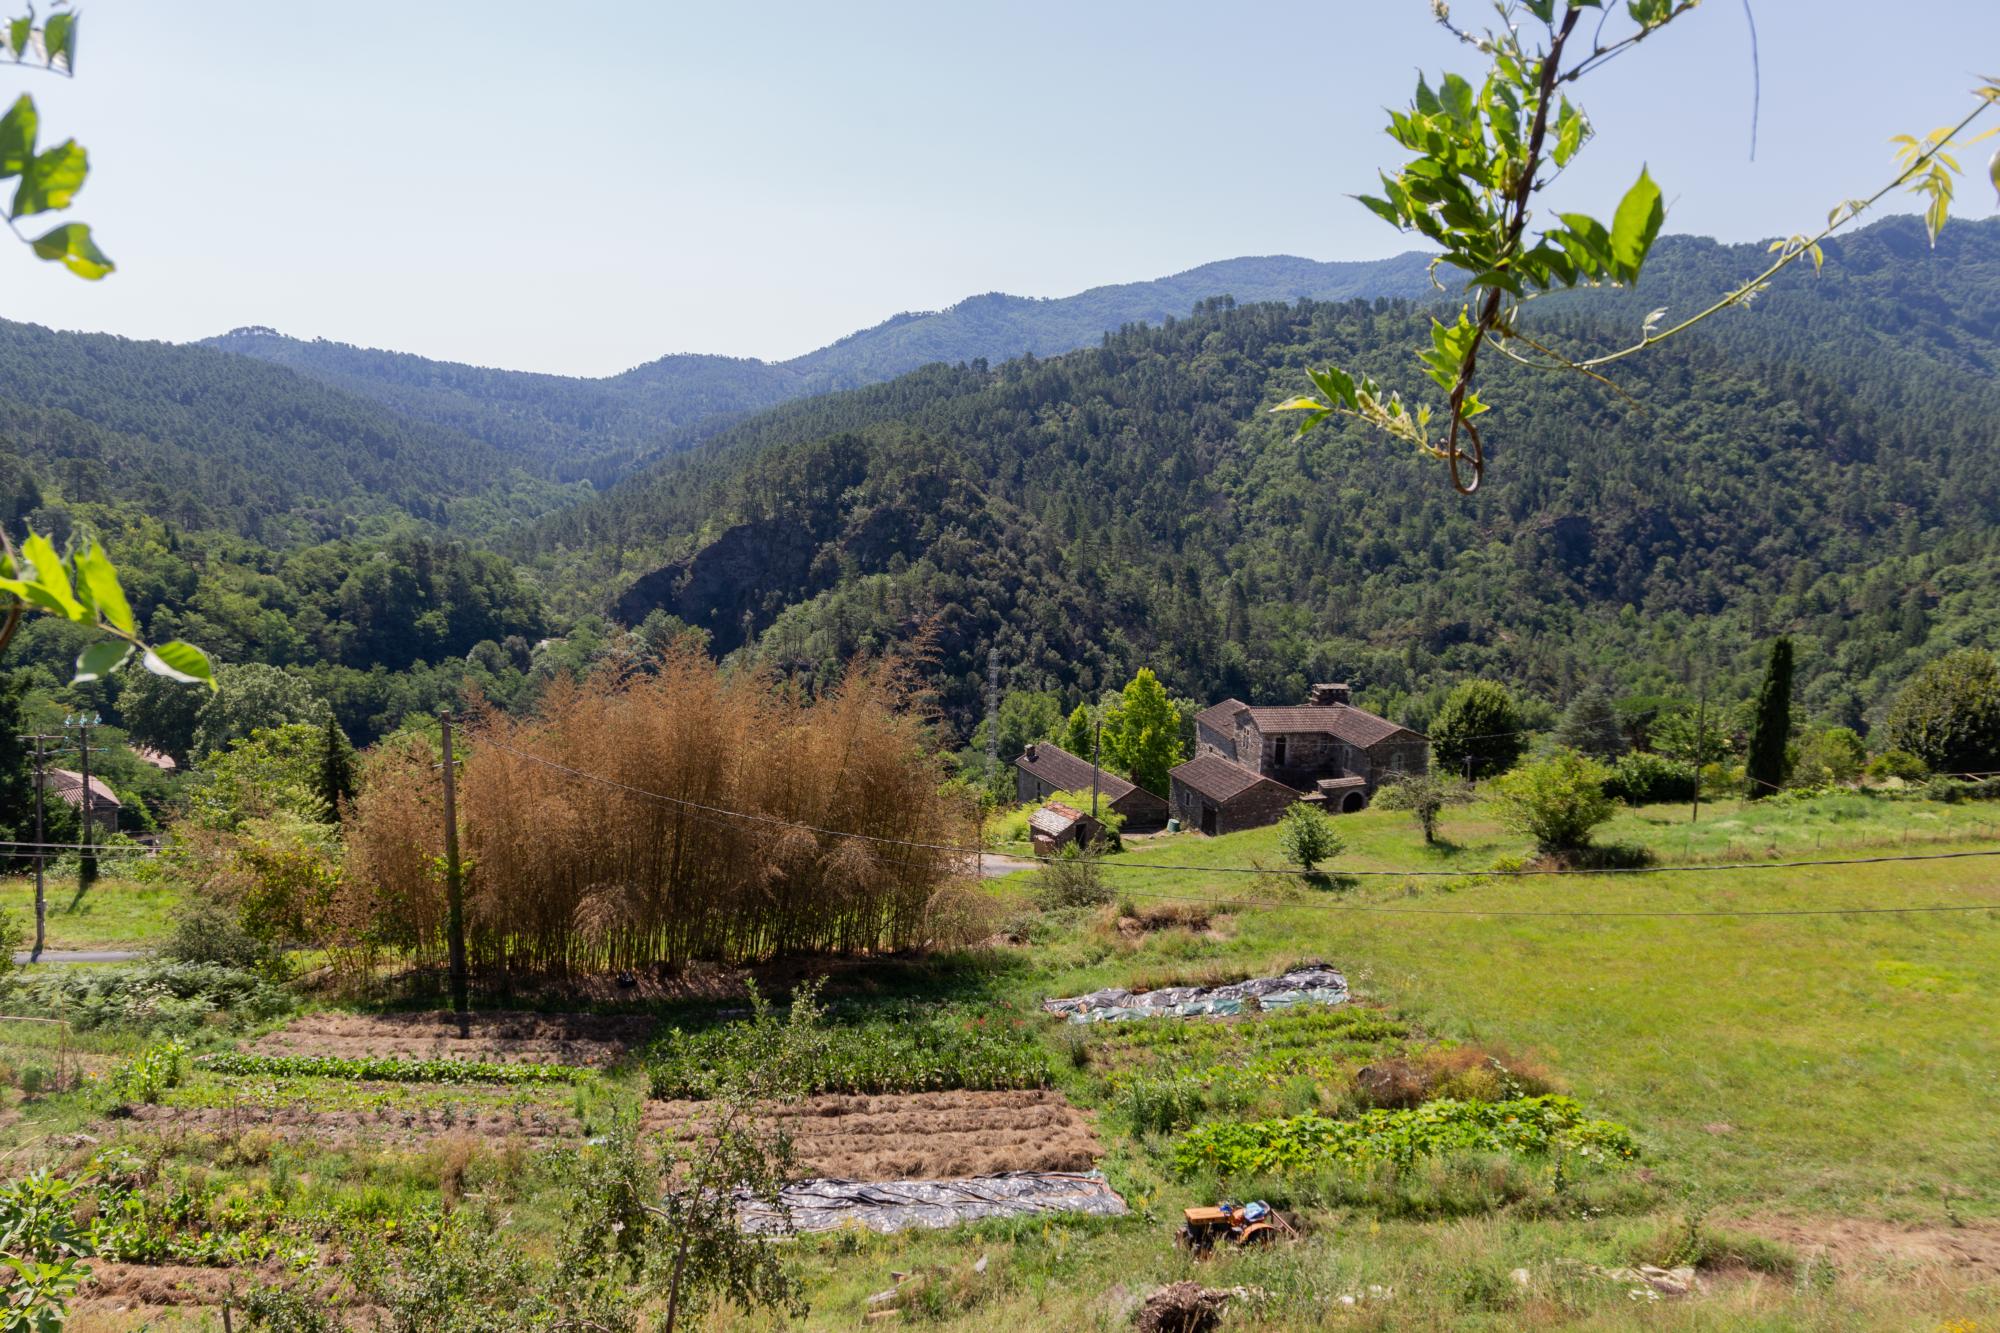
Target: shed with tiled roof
1216 795
1045 769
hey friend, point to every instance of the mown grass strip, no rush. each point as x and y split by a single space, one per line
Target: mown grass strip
389 1069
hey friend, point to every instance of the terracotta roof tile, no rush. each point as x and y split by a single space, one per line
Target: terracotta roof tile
1356 726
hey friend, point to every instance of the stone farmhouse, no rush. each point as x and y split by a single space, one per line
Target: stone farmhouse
1251 762
1046 769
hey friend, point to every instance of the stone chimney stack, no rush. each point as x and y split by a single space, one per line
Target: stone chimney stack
1326 695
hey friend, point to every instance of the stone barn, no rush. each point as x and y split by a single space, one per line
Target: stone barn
1045 769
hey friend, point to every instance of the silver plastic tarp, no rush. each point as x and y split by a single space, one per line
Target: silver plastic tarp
892 1205
1314 983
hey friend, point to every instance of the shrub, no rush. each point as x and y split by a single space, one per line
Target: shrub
205 931
1650 779
1900 764
163 996
1829 755
1072 879
1557 801
147 1076
1307 836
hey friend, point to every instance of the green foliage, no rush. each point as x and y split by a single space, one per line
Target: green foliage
1650 779
389 1069
1073 878
1425 796
1557 801
915 1050
1480 721
1142 733
1766 756
1590 725
43 1248
1307 836
1529 1126
1691 736
149 1075
1897 764
151 996
1080 736
83 589
250 698
1948 715
1829 755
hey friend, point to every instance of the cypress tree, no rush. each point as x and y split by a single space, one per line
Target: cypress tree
336 768
1771 728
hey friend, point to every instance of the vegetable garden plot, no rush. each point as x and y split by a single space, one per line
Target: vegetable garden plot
381 1127
1313 984
927 1135
567 1039
892 1205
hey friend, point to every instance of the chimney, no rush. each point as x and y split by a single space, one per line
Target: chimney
1326 695
1031 753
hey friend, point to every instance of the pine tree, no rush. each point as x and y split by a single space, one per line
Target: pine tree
1771 727
1590 726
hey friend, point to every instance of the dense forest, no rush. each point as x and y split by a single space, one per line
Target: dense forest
386 528
1822 464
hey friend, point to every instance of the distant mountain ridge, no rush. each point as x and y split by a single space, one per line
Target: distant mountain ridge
572 427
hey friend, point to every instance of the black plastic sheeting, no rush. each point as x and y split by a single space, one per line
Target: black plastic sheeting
892 1205
1315 983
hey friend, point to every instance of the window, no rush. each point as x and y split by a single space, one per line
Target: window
1278 752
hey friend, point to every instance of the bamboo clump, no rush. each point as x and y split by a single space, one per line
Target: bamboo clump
570 873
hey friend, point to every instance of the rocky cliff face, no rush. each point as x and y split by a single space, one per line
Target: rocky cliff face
749 572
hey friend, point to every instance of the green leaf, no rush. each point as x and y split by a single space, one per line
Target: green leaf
59 39
180 661
51 576
1635 226
101 659
100 579
71 243
1337 385
18 33
52 179
1300 404
17 137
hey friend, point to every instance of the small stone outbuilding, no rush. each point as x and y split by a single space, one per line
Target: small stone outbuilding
1215 796
1056 826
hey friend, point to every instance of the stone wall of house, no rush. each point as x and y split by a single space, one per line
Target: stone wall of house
1143 811
1404 752
1260 805
1207 740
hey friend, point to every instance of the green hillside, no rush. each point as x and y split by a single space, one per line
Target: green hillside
1135 503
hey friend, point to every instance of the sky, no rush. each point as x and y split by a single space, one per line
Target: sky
580 189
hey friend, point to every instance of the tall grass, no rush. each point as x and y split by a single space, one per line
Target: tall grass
622 869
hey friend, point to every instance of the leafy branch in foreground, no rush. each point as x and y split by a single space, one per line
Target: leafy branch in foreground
83 588
50 177
1483 154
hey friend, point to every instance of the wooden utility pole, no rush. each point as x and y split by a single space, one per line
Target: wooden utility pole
1700 750
1096 751
454 887
41 854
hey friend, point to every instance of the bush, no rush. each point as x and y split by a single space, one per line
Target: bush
1650 779
1307 836
205 931
1829 755
147 1076
1900 764
1557 801
1072 879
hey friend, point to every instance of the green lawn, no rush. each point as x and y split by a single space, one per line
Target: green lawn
115 914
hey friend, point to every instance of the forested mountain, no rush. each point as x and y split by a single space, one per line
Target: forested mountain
572 428
1825 464
202 440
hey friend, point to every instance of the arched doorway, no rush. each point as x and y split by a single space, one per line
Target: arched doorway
1352 802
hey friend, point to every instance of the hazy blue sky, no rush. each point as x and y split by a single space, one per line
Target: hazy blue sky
582 188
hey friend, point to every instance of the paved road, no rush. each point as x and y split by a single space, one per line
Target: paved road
993 865
84 955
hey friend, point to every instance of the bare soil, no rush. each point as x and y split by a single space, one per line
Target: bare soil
571 1039
925 1135
384 1128
1861 1244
